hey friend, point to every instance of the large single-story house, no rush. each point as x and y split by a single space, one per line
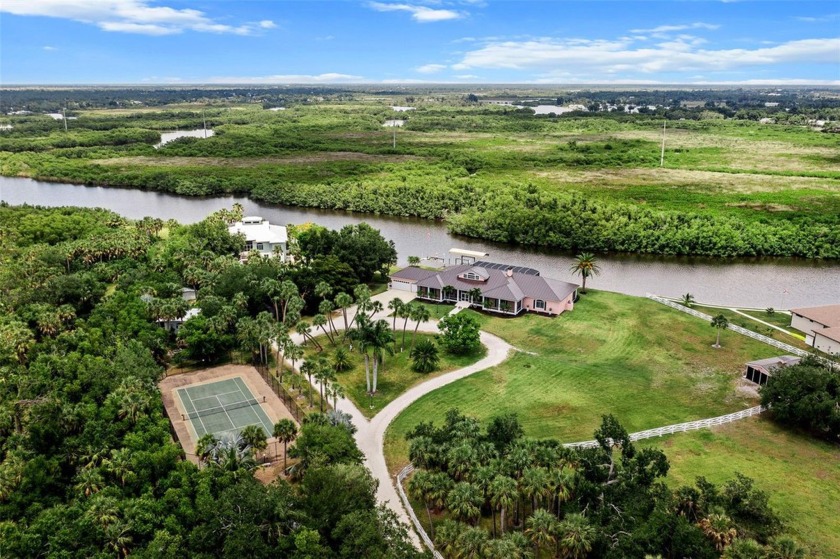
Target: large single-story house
821 326
493 287
759 371
261 236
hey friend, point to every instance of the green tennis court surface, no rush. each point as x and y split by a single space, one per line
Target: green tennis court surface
223 406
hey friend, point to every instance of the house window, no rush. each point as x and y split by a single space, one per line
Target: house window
539 304
259 246
249 245
471 276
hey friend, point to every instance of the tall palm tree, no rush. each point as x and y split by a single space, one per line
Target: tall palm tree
464 501
534 484
255 437
320 321
326 308
420 488
447 537
541 528
719 323
324 374
503 494
336 392
482 477
306 331
406 312
361 336
419 313
342 301
294 352
285 431
380 338
475 296
395 305
308 368
472 543
687 300
575 536
585 266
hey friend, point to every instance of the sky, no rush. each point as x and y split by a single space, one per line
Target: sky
419 41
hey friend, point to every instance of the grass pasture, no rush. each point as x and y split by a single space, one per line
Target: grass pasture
801 474
641 361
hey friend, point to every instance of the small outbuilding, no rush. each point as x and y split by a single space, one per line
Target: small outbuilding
761 370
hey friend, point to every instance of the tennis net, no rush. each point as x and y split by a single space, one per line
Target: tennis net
221 409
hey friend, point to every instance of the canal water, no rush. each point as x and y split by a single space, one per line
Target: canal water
781 283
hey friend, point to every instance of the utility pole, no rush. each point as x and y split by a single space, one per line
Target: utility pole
662 155
64 114
394 122
204 117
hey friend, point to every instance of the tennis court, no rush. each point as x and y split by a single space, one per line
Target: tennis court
223 406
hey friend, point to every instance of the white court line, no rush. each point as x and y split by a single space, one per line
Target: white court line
198 416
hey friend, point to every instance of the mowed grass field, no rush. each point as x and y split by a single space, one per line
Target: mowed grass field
801 474
395 375
641 361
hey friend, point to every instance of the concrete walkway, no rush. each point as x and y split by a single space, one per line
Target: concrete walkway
370 434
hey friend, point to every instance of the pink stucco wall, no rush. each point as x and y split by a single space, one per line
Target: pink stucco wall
551 307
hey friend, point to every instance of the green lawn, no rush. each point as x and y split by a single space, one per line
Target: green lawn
641 361
395 377
744 322
801 474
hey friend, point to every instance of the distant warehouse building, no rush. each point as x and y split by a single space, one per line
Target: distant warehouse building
821 326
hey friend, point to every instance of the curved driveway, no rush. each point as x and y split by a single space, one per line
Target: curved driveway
370 435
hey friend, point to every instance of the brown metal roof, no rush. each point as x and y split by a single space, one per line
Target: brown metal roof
771 363
498 284
828 316
830 333
413 273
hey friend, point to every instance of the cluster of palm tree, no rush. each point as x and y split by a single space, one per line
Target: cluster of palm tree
110 245
521 484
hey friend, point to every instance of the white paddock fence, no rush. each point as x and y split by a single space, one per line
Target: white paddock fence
681 427
405 472
770 341
650 433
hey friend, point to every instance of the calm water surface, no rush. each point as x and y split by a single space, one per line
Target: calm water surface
166 137
775 282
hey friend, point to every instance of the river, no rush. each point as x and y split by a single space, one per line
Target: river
781 283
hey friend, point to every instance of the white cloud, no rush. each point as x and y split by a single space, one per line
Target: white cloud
431 68
330 77
421 14
49 48
624 56
129 16
467 77
820 19
683 27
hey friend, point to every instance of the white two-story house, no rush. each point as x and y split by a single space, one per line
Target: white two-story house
261 236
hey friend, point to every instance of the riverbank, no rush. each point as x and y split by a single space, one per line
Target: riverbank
570 184
758 283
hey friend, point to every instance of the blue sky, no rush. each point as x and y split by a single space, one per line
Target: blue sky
408 41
